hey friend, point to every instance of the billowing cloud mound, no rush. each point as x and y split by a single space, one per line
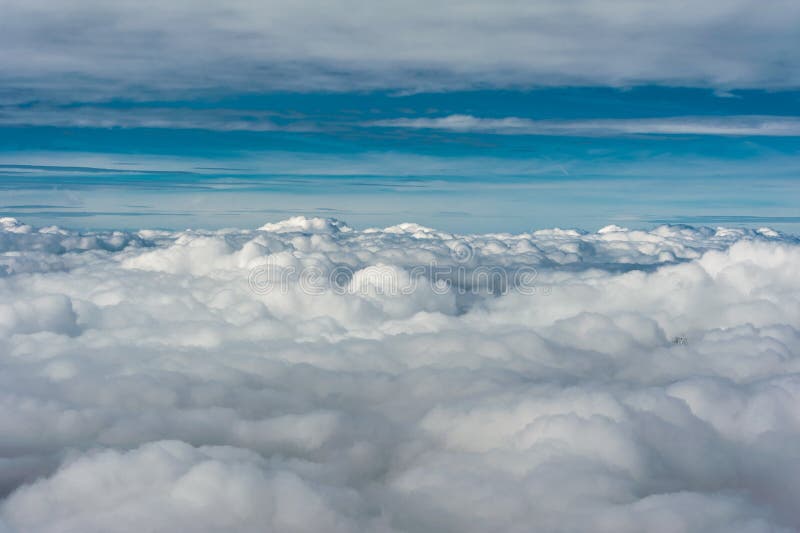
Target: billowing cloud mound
307 376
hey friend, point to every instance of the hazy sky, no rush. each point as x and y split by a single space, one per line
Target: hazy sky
331 103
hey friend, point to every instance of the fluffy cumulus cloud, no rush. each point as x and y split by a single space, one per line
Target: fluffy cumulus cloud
88 48
308 376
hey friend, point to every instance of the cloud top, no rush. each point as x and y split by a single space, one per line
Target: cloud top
646 384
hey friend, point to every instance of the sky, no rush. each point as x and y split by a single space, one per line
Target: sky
459 115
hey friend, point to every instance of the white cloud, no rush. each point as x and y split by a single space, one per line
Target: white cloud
260 121
203 489
91 48
751 125
145 384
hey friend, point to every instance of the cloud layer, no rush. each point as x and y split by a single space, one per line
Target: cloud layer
648 382
85 49
228 120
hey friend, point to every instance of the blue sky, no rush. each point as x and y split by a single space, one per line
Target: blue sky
633 114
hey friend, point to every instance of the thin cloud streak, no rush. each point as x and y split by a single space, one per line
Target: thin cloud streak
148 117
223 120
744 125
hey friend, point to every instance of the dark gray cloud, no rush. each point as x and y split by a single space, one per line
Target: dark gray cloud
88 48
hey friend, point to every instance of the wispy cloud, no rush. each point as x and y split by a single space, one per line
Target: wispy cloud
743 125
221 119
148 117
